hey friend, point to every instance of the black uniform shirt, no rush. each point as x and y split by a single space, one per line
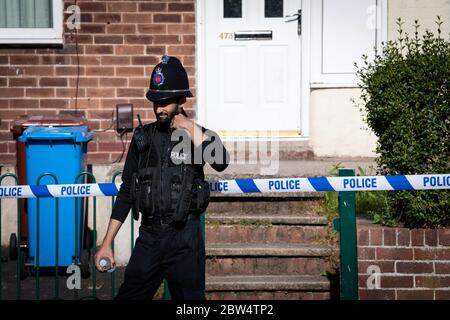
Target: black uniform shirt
161 140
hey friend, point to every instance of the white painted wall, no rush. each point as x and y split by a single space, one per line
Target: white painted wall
337 128
336 125
425 11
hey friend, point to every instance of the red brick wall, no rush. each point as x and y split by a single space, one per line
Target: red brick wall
414 263
119 43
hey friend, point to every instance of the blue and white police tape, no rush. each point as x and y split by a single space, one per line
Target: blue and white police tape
314 184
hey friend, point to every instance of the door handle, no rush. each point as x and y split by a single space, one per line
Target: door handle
296 17
292 15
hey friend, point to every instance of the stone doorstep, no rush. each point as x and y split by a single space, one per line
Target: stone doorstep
267 283
289 168
266 219
266 250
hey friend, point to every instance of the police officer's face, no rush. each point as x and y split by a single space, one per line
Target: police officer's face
165 110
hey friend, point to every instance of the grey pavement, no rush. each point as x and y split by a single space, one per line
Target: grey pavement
47 285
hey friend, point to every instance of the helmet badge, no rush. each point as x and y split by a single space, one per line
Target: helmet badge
165 59
158 77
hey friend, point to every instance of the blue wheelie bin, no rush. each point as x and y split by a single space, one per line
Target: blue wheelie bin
62 152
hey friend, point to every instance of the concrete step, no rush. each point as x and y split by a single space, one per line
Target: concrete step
266 249
253 233
267 283
221 266
266 219
266 259
269 295
290 168
263 205
243 147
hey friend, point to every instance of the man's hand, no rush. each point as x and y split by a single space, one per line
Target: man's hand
181 122
104 251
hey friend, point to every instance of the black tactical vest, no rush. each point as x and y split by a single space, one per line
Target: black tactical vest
162 188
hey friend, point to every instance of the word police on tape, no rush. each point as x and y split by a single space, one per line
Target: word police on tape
313 184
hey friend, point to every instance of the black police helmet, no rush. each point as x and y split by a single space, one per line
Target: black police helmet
169 79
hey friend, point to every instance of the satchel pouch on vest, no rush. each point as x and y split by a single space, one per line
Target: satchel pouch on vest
147 193
143 193
200 196
181 213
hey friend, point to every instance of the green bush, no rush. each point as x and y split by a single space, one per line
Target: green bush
405 99
373 203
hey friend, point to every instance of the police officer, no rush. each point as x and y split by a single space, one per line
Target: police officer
163 181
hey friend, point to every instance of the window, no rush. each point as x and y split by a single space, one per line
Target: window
273 8
232 8
31 22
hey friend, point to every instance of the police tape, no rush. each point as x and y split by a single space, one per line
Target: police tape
314 184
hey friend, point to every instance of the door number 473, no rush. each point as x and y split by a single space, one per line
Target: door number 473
226 35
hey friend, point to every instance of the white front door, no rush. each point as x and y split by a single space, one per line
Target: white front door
252 66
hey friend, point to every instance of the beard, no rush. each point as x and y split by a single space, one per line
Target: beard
166 117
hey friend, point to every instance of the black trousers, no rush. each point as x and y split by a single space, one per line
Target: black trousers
176 254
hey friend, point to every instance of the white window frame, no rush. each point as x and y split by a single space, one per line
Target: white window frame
37 35
339 80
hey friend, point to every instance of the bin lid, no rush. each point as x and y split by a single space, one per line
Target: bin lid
61 120
77 134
